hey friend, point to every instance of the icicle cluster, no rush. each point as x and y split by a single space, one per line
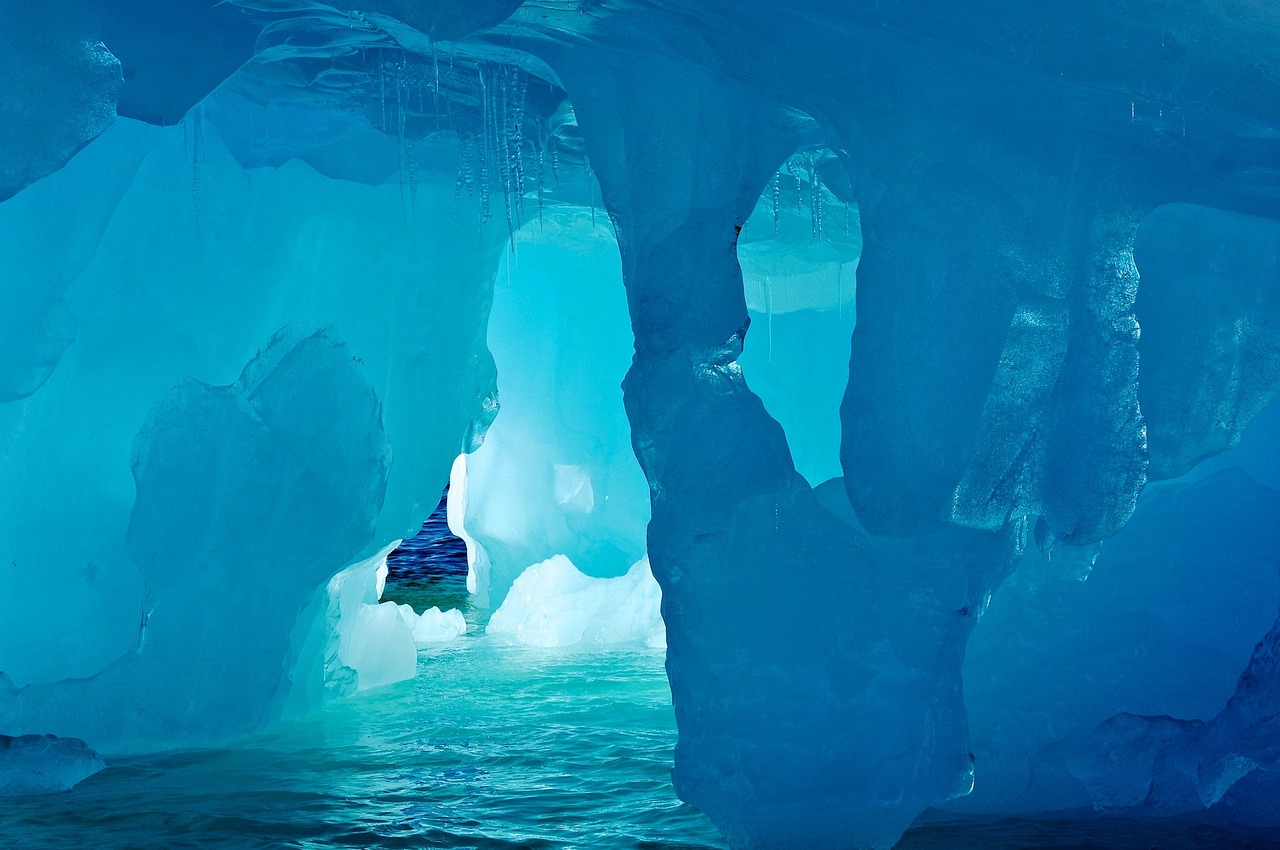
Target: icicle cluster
809 191
497 155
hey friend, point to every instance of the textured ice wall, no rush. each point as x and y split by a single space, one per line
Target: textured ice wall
993 386
177 272
808 735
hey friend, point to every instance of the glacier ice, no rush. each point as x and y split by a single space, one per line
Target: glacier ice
945 333
289 478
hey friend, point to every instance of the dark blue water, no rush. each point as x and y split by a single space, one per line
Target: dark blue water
432 555
430 569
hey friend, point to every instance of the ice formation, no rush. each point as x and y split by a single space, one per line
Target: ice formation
948 331
360 642
556 474
41 764
555 604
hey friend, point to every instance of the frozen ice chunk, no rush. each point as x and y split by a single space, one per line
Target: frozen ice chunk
374 644
434 626
39 764
370 643
555 604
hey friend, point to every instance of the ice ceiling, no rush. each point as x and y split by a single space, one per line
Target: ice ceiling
925 313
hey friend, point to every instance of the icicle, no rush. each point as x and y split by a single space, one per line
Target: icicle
777 201
542 175
484 147
521 92
435 65
815 180
413 179
591 185
847 216
555 159
197 162
401 151
382 90
502 125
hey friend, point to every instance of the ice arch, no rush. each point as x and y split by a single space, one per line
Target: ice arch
555 474
799 254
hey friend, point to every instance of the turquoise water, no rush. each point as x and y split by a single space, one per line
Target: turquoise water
492 746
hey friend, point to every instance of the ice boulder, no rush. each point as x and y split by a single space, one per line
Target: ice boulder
39 764
555 604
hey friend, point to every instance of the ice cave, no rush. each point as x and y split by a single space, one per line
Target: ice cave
831 425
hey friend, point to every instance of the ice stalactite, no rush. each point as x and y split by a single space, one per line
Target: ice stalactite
775 193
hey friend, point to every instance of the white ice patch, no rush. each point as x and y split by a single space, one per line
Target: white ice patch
554 604
573 488
433 625
455 511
